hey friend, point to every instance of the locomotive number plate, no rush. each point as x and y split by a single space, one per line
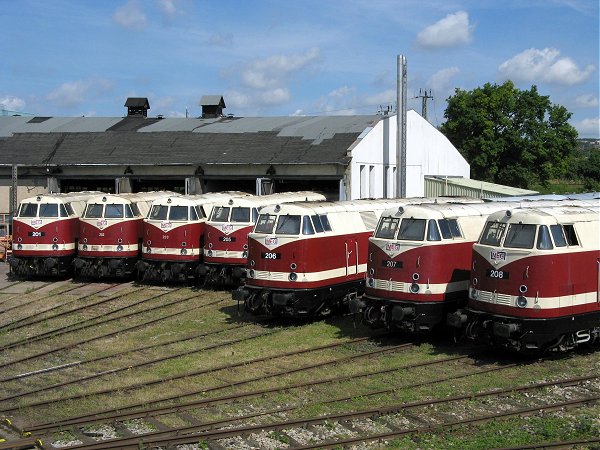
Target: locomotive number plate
391 264
36 234
499 274
227 238
270 255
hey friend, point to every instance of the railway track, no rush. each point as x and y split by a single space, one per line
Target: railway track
353 427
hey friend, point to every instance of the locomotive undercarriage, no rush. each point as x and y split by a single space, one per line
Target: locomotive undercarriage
104 267
529 335
40 266
298 303
166 271
217 275
414 317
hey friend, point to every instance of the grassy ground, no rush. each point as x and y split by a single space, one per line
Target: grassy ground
275 338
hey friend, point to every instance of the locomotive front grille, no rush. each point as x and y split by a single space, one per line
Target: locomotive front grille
275 276
398 286
485 296
503 299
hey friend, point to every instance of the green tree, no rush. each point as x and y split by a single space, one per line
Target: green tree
589 170
510 136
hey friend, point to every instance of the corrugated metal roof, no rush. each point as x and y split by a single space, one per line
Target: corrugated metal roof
468 187
256 140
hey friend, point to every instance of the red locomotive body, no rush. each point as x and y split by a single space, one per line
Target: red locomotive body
45 234
110 234
419 264
174 235
535 280
226 248
308 259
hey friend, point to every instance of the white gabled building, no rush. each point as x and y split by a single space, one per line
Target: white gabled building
372 171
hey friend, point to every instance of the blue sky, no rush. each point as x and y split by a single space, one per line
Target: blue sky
283 57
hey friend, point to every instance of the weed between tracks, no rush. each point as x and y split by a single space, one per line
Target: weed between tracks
200 373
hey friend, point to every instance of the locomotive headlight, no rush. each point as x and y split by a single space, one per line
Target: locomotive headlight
252 263
521 301
370 282
148 249
183 251
210 245
245 246
293 276
414 288
371 271
84 240
293 266
54 246
474 293
19 246
209 253
522 289
475 281
84 248
251 273
54 239
415 276
244 254
119 248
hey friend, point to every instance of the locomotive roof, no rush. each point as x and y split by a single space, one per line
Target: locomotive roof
549 214
273 199
199 199
339 206
129 197
62 197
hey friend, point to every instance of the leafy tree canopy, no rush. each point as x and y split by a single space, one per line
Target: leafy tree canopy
509 136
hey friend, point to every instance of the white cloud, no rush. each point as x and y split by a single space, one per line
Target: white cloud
587 101
74 93
441 80
588 127
451 31
12 103
131 15
169 10
274 71
544 66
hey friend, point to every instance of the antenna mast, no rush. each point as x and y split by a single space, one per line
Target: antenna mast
424 96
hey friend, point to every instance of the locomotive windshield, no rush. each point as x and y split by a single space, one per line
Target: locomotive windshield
520 235
492 233
220 214
94 211
387 228
265 223
159 212
239 214
288 224
28 210
113 211
412 229
178 213
49 210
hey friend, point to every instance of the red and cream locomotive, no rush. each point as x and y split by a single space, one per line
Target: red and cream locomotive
419 264
45 234
110 231
226 247
535 280
174 235
307 259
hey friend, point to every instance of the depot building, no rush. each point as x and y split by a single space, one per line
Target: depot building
345 157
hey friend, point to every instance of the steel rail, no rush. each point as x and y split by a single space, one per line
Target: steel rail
130 367
118 354
120 410
229 421
19 323
117 332
91 321
176 439
38 299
